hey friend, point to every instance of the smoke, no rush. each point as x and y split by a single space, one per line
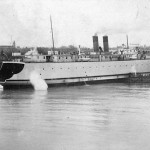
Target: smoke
37 82
123 28
114 29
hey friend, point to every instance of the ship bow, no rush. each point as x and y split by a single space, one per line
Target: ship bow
8 69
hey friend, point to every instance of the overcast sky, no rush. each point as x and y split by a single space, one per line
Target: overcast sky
74 22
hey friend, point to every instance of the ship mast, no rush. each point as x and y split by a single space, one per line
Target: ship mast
127 41
52 32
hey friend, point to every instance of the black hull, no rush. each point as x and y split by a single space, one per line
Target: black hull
8 69
139 77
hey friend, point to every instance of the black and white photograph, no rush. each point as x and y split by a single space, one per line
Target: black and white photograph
74 74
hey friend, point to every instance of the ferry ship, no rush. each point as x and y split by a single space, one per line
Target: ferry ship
56 68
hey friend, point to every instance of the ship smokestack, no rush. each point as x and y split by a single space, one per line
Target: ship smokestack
95 43
105 43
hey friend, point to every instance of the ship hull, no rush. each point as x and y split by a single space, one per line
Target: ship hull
79 72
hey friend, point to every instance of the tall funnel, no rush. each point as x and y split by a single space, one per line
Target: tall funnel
95 43
105 43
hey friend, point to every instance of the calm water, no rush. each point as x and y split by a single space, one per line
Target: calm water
104 116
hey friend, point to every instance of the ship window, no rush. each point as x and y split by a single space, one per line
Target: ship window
59 57
66 57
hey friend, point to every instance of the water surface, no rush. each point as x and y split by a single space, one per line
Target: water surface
104 116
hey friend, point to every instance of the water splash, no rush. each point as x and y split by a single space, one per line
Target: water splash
1 88
37 82
133 70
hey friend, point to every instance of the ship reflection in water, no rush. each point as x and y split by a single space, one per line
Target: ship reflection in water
105 116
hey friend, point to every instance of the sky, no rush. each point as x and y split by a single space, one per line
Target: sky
74 22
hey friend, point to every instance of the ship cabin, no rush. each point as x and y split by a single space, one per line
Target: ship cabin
35 58
96 56
55 57
64 58
67 58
